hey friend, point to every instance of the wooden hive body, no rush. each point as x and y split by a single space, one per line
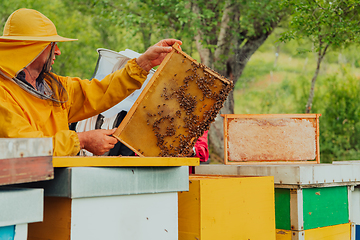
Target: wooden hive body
227 207
180 101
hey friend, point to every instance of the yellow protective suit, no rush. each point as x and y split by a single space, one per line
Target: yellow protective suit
23 115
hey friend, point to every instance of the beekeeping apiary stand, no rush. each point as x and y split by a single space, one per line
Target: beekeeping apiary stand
312 201
22 160
112 198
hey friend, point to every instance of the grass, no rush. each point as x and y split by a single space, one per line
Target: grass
266 87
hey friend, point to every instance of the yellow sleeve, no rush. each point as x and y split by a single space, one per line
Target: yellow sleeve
15 124
66 143
89 98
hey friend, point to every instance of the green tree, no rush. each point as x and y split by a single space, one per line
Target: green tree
327 23
225 33
78 58
227 40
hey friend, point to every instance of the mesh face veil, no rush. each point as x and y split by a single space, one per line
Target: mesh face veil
53 89
27 33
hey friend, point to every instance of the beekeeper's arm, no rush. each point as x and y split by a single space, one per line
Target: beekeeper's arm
100 141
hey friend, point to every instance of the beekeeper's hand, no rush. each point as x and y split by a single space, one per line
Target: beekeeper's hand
97 141
155 54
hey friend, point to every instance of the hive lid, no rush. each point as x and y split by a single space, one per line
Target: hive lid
178 104
271 138
25 160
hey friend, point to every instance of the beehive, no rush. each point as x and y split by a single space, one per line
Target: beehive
311 208
95 203
227 207
271 138
180 101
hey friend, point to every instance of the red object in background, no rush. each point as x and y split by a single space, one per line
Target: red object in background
201 149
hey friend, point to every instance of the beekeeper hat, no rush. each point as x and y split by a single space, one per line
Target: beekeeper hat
30 25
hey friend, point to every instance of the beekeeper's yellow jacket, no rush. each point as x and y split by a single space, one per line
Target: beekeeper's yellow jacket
27 33
23 115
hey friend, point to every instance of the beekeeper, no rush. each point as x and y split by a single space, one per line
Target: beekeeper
35 102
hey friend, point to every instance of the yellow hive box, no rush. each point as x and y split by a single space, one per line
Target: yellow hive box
175 108
336 232
224 207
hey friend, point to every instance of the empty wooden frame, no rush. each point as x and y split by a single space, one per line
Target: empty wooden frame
175 108
271 138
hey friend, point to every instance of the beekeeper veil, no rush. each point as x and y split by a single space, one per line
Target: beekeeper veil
27 34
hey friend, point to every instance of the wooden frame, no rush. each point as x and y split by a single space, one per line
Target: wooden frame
26 169
175 108
313 118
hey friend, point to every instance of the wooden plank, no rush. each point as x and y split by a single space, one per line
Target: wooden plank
226 147
230 208
283 234
317 138
236 205
26 169
357 232
20 205
189 214
282 209
325 206
336 232
311 116
180 101
277 162
291 175
25 147
7 232
131 217
296 209
355 205
102 161
57 220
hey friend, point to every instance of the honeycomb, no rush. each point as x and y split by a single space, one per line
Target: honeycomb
271 139
180 101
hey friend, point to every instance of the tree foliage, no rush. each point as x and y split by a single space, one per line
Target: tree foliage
327 23
224 33
340 120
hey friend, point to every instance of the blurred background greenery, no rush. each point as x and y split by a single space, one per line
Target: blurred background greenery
277 76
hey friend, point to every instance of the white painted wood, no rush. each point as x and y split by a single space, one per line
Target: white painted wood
347 162
80 182
336 173
135 217
352 231
350 189
355 205
19 206
138 180
220 168
25 147
21 231
283 174
291 174
297 235
296 209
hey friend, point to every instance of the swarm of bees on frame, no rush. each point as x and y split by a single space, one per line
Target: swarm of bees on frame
195 115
